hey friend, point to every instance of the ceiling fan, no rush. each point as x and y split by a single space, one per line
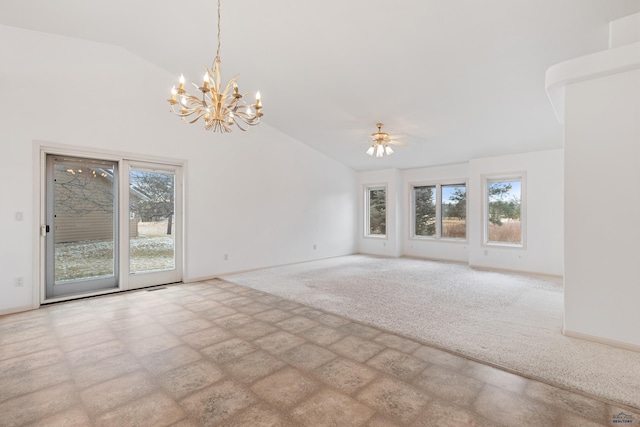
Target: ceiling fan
381 142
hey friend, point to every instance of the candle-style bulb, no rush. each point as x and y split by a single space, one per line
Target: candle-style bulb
181 81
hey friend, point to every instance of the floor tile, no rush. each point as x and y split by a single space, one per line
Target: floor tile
253 330
207 337
441 413
449 385
254 308
260 415
110 394
87 339
33 380
150 345
394 398
154 410
331 320
7 337
189 326
25 347
279 342
41 404
22 364
234 320
322 335
273 315
396 342
95 353
170 359
565 400
285 388
508 409
229 350
296 324
186 379
307 356
359 330
105 369
356 348
497 377
75 417
397 363
440 357
329 408
217 403
345 374
254 366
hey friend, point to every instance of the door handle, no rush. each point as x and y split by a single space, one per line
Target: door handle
44 230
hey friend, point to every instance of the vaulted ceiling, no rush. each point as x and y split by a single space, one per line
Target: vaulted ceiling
461 78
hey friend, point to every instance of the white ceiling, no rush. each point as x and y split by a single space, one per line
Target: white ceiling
462 78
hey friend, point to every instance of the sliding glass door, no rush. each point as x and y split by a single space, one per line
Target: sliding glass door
82 226
110 225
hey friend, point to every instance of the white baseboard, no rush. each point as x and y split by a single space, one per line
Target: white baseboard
14 310
613 343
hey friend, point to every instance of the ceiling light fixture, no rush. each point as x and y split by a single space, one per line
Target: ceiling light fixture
381 141
220 107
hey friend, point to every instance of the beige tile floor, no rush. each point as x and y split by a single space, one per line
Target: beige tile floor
218 354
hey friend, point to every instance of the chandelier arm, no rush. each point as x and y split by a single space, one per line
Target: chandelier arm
196 119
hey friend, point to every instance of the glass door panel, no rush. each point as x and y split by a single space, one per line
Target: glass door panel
151 221
82 247
154 224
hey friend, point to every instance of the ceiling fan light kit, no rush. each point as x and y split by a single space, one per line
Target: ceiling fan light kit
381 141
220 107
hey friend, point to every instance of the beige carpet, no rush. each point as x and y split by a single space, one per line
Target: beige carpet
507 320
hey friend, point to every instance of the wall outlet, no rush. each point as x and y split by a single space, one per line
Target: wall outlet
19 282
314 247
486 252
226 257
19 216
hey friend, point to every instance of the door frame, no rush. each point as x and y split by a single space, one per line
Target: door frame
41 150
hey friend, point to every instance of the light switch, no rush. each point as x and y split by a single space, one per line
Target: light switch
19 216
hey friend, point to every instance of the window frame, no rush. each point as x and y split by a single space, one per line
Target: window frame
486 180
438 193
367 206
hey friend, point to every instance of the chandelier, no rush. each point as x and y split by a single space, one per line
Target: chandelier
381 141
219 106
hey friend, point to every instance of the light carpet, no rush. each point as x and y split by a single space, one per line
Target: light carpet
511 321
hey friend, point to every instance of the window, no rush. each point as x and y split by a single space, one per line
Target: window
503 210
376 211
439 211
425 210
454 211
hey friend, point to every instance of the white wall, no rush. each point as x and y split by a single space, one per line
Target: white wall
443 249
543 249
602 206
543 225
260 197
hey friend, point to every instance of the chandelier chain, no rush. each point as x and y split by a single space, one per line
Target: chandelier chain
218 51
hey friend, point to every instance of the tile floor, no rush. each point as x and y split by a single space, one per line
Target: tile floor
218 354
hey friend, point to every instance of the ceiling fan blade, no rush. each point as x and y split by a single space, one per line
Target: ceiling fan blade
399 143
398 136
